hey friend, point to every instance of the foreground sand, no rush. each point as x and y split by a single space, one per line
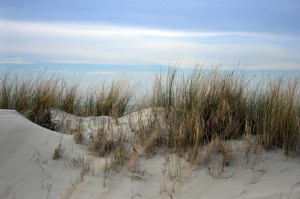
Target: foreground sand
28 170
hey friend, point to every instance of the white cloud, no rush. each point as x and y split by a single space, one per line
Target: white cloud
99 72
274 66
77 43
14 60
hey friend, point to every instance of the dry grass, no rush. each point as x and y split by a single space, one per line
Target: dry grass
202 108
58 151
35 95
274 113
78 134
85 168
208 103
201 105
100 143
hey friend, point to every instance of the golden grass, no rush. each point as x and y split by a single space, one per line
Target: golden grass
209 103
200 106
34 97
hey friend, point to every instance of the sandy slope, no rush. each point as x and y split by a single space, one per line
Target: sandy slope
27 174
27 169
278 179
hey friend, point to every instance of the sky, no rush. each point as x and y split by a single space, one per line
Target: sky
105 35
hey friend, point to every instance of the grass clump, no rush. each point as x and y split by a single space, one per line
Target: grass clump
114 100
200 105
34 95
275 114
208 103
58 151
101 144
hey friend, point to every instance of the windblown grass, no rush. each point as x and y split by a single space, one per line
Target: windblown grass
201 106
112 100
274 113
31 97
35 95
210 103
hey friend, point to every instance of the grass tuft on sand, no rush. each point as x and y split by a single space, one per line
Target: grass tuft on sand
201 106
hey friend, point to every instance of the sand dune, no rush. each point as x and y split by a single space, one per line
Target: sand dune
28 170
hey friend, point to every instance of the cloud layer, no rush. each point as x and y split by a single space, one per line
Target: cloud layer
105 44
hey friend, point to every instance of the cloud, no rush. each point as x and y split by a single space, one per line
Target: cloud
274 66
14 60
99 72
106 44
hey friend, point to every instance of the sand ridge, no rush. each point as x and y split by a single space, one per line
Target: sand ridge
27 169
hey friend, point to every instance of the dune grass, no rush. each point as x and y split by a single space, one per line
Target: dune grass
210 103
201 106
274 113
35 95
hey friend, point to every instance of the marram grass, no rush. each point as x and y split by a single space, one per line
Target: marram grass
201 106
209 103
35 96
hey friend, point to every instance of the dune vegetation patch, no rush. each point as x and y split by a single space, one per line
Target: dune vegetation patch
200 107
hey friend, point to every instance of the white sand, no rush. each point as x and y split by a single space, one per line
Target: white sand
24 173
26 166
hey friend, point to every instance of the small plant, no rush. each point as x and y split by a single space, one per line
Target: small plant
58 152
85 167
226 151
106 174
78 134
247 142
100 143
120 155
257 151
150 133
136 172
215 157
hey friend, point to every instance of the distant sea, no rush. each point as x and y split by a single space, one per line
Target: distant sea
142 75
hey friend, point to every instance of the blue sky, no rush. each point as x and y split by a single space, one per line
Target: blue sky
258 34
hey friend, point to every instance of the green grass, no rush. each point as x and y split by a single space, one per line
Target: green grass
201 106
